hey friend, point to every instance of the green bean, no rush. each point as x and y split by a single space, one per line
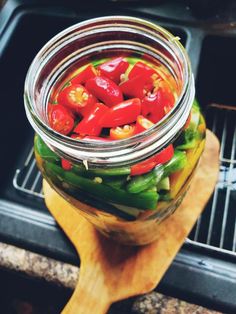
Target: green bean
101 172
44 151
145 181
177 162
144 200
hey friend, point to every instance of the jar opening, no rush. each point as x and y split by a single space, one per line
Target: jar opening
93 40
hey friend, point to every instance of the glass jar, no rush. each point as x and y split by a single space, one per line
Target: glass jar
128 209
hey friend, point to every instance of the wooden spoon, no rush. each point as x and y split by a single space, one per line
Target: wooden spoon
110 271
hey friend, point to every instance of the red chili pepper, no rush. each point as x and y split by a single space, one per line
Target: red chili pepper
75 97
142 124
141 68
147 165
120 133
152 108
156 117
137 86
159 103
77 136
88 73
123 113
166 97
66 164
50 108
60 119
150 104
53 96
85 110
142 167
165 155
105 90
89 125
114 68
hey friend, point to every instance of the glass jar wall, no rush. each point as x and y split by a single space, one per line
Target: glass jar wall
127 186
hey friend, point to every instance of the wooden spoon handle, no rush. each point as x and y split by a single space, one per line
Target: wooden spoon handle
90 294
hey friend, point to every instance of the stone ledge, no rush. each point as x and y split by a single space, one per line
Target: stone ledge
66 275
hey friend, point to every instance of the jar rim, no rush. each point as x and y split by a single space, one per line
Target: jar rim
113 153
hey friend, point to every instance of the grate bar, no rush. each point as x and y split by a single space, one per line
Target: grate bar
22 180
215 196
29 157
228 191
210 247
36 180
234 239
230 161
28 175
214 123
198 225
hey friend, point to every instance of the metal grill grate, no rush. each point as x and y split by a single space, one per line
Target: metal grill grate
216 228
28 179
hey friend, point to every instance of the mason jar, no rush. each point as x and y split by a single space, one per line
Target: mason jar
99 183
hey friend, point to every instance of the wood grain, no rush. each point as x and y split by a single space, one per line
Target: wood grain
110 271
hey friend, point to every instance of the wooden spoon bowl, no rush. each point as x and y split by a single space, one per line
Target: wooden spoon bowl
110 271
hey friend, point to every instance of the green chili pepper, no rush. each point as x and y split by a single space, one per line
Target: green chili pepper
188 145
165 197
196 104
115 182
145 200
99 172
143 182
44 151
191 135
177 162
